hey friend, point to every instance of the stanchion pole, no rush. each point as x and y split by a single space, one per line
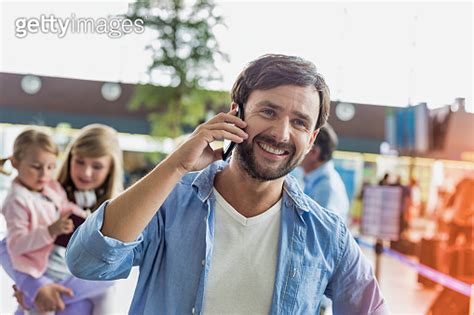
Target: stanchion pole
471 305
378 254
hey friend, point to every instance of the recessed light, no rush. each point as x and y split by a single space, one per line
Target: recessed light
31 84
111 91
345 111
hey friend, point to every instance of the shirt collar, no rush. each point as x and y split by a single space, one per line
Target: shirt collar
295 194
19 187
204 183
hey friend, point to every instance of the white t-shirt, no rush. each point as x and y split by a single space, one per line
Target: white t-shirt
243 266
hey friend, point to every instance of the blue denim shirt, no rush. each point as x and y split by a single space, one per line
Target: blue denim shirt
316 255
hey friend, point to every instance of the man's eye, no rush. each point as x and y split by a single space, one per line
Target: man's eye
300 123
268 112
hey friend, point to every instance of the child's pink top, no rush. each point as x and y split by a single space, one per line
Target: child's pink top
28 215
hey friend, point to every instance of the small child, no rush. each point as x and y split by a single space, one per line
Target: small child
36 208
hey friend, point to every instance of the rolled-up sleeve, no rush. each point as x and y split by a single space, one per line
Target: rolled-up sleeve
91 255
353 287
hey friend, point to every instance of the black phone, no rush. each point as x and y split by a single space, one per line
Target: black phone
229 145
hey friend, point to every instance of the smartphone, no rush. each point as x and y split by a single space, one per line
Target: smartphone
229 145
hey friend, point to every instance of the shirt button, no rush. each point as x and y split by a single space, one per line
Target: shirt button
205 219
193 310
294 273
203 262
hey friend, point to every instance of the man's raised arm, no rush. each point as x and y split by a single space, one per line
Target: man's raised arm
127 215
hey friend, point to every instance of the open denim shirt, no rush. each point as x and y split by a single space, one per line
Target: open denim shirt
317 255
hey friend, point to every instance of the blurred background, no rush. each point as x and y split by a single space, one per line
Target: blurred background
401 81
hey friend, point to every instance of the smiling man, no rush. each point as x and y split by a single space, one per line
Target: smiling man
240 237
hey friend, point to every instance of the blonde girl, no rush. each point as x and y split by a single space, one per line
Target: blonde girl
93 162
36 208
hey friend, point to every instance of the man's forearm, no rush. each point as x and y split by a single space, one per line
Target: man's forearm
127 215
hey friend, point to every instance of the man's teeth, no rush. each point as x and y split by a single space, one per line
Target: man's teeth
270 149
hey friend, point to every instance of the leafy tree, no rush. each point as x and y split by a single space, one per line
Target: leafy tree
184 50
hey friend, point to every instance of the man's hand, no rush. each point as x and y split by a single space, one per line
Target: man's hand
20 297
196 153
49 298
63 225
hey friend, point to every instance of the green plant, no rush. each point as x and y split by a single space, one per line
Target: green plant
185 50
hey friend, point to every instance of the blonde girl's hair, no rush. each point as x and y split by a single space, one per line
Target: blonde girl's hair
27 138
95 141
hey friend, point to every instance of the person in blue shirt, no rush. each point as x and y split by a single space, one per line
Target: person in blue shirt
321 180
237 236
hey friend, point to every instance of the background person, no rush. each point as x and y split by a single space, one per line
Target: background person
321 180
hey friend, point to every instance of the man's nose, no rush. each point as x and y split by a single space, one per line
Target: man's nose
281 130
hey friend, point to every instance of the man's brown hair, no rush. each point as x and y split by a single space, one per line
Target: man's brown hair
271 71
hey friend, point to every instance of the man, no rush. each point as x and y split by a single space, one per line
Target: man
321 180
241 238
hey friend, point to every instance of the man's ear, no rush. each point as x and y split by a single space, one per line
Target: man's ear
309 153
233 105
311 140
316 152
15 163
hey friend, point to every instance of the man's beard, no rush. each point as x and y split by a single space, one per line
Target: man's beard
245 155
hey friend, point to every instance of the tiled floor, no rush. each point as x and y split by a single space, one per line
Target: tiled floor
398 283
400 288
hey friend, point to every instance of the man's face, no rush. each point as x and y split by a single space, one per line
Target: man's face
280 126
